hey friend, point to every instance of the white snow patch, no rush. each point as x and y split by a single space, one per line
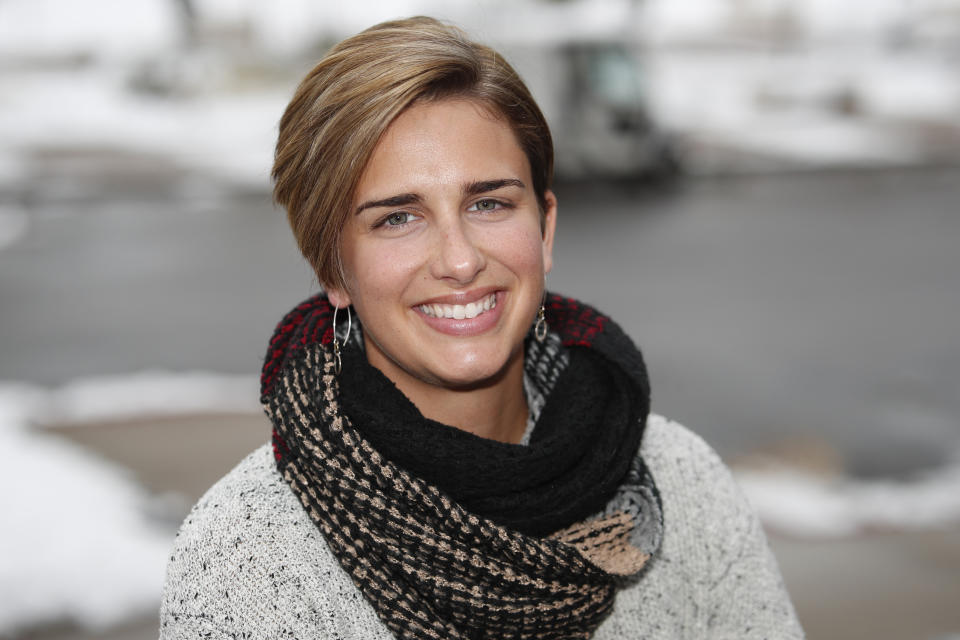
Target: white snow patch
806 505
665 20
916 87
817 140
828 106
231 136
77 544
99 27
690 20
149 393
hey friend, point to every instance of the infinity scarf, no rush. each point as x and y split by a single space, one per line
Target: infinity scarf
439 552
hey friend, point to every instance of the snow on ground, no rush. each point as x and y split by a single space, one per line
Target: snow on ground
802 504
838 96
230 136
690 20
149 393
77 543
820 107
99 27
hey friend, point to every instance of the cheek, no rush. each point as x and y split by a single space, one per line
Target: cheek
380 271
521 250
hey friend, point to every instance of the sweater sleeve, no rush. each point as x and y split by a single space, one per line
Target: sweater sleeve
249 563
747 598
716 540
184 627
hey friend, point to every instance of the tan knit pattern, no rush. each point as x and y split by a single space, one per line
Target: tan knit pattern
606 543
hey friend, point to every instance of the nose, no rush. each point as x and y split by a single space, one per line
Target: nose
458 257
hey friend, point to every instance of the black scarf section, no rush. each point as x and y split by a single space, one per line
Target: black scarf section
582 446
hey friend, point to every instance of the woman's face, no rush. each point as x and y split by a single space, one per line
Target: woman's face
444 256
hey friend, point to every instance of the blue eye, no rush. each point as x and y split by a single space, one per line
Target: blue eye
397 219
486 204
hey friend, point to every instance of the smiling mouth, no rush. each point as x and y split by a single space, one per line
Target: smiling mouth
460 311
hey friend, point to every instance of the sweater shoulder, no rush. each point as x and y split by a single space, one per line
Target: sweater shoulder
703 507
248 561
713 575
251 503
666 441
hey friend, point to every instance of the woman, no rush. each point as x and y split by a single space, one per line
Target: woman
456 453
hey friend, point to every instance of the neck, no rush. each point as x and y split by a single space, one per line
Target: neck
496 410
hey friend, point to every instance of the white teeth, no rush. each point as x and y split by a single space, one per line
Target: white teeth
460 311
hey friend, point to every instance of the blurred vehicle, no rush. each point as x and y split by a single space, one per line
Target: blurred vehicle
605 127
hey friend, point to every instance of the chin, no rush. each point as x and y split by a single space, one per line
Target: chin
472 373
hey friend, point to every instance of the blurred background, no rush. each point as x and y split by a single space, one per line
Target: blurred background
764 193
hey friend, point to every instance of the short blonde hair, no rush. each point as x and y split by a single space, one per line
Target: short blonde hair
345 104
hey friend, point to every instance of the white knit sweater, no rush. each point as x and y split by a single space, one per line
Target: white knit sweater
249 563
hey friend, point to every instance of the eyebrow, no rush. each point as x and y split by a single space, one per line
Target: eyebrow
484 186
471 188
392 201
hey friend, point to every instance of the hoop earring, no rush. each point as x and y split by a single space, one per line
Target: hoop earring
337 362
540 329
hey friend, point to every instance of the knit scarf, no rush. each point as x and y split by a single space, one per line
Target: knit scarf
449 535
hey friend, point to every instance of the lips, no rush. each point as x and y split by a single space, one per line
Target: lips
460 311
463 319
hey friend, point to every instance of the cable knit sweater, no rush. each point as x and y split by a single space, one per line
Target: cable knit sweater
249 563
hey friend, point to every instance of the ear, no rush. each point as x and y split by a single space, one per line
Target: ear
549 228
338 296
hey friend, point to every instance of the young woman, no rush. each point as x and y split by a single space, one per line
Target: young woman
456 453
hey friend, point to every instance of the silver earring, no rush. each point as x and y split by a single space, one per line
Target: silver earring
540 329
337 362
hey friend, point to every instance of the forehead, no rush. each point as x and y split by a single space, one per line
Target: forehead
443 143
